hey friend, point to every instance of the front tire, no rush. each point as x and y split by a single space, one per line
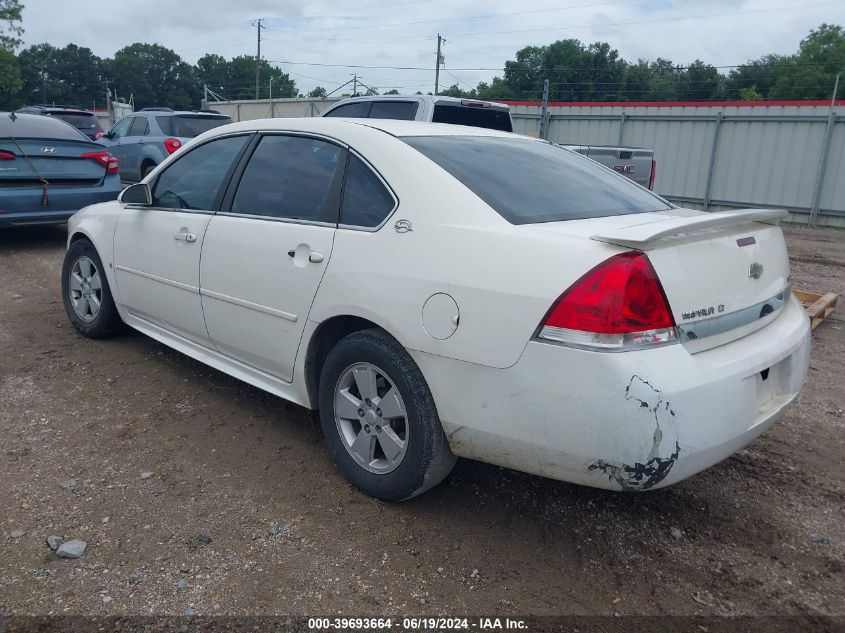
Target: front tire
85 292
379 418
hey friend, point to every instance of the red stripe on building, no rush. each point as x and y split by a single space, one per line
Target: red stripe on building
676 104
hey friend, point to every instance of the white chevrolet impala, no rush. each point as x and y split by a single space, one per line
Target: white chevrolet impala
440 291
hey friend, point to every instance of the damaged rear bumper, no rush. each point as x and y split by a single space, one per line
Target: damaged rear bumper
630 421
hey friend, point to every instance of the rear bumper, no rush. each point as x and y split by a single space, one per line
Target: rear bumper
19 207
627 421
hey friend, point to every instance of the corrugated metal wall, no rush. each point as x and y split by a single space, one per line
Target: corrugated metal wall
760 155
707 155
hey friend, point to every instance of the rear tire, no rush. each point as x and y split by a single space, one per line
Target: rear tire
147 170
379 418
86 294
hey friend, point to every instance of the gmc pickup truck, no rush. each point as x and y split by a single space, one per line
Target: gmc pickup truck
637 163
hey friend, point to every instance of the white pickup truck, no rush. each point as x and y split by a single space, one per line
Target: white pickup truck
637 163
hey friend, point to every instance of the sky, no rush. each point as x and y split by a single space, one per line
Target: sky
323 42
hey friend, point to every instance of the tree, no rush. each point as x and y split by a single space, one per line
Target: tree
759 74
700 82
811 73
392 91
10 28
69 75
318 93
10 80
235 79
750 94
155 75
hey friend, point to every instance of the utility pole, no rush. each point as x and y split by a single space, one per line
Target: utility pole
355 85
438 63
258 26
271 88
544 113
835 90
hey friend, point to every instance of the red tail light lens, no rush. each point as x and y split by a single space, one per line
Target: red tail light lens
653 175
4 155
619 305
105 159
172 144
98 135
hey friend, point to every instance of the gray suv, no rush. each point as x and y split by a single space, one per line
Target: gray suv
143 139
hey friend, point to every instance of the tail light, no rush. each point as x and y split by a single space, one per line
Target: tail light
653 175
618 306
105 159
98 135
172 144
4 155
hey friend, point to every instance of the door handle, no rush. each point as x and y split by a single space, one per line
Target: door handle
185 237
315 258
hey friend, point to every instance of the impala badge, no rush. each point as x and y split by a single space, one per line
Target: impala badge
755 271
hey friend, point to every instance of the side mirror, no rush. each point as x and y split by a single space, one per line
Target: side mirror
136 194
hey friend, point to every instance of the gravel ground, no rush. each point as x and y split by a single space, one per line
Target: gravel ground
197 494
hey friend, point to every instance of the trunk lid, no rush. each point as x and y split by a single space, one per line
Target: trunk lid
725 274
58 161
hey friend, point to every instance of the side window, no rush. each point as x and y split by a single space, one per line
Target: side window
139 126
366 201
358 110
122 128
165 123
193 180
402 110
290 177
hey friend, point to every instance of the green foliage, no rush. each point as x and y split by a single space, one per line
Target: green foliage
154 75
811 73
10 27
750 94
235 79
69 75
318 93
10 80
392 91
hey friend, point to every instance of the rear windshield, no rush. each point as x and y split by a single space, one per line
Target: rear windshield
79 121
474 116
528 181
189 126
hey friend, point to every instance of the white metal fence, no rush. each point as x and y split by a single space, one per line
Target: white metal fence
720 155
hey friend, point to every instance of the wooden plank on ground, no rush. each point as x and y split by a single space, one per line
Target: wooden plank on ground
818 306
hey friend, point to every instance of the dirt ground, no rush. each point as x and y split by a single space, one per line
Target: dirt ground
244 513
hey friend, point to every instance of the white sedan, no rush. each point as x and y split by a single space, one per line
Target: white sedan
440 291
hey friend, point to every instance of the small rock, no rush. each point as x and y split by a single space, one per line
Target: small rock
182 584
188 611
274 529
474 573
105 520
17 533
54 541
146 474
439 570
818 539
675 532
71 549
205 539
106 599
67 484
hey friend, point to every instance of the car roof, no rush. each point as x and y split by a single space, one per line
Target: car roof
330 125
37 126
211 115
58 109
427 98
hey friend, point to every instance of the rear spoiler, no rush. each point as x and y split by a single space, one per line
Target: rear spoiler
639 235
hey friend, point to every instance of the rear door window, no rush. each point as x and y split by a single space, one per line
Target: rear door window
489 118
401 110
291 177
529 181
366 201
195 179
357 110
140 127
